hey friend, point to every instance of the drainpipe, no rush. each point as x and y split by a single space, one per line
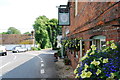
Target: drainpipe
80 48
62 51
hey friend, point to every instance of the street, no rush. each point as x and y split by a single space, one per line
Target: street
31 64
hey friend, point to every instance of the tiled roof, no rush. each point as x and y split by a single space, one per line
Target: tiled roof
16 39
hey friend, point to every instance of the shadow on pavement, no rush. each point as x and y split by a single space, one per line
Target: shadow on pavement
32 68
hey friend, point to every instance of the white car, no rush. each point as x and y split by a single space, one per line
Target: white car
3 51
19 49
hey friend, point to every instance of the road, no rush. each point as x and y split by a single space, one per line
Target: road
31 64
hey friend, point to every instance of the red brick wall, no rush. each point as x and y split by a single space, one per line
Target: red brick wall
96 18
92 14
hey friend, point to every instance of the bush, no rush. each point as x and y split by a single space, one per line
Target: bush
59 53
100 64
35 49
67 61
39 48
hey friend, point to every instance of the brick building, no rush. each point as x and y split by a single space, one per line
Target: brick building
12 40
93 22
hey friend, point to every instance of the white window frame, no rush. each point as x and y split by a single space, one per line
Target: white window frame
96 39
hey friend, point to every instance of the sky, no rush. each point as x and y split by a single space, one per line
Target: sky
21 14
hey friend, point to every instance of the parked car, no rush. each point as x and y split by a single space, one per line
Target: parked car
19 49
3 51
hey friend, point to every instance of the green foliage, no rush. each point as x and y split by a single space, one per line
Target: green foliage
54 30
41 34
35 49
26 33
67 61
13 30
59 53
72 44
67 68
39 48
4 33
46 32
100 64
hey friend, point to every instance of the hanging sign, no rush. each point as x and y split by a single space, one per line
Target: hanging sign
63 16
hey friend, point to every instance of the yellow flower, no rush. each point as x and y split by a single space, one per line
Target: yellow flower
113 46
92 53
88 74
78 66
95 62
98 71
93 47
112 75
105 60
112 41
75 71
100 58
77 76
88 51
108 42
86 66
83 75
84 57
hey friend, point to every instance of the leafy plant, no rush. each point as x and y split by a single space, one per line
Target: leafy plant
100 64
72 44
46 32
35 49
59 53
67 61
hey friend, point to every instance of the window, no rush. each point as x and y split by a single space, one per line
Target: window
99 41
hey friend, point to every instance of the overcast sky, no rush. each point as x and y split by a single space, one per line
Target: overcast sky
21 14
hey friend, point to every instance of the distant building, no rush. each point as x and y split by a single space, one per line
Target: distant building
59 37
12 40
93 23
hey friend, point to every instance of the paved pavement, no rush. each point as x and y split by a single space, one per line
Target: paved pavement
31 64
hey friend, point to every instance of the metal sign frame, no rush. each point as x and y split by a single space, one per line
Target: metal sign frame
63 11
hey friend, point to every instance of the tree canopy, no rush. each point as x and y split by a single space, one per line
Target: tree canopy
41 34
27 33
46 31
13 30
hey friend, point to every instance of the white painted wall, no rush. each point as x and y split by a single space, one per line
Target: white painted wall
11 46
58 41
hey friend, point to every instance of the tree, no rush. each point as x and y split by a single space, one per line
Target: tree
54 30
13 30
46 32
26 33
4 33
41 34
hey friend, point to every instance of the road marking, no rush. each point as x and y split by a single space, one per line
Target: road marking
14 58
5 65
40 58
41 61
37 56
42 71
42 65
